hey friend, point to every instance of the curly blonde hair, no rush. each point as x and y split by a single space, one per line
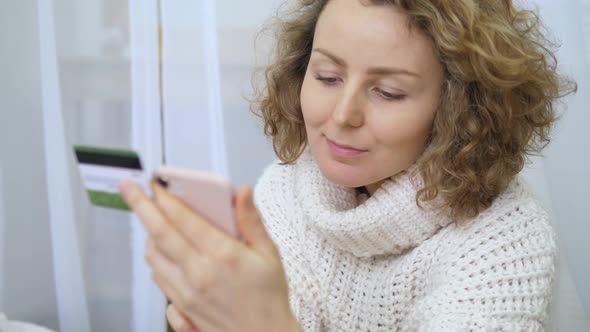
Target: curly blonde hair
497 102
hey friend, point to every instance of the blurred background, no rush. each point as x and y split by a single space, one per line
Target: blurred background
168 79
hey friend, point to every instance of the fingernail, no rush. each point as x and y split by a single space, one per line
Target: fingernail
124 186
250 197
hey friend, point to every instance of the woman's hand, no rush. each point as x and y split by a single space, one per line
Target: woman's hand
178 320
215 283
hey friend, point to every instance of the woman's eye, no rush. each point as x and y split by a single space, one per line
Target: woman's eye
389 96
327 80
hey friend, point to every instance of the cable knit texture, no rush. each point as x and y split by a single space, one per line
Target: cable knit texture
384 264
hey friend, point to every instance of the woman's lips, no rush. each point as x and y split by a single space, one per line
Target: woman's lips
344 150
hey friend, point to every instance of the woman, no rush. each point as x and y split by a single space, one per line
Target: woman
401 127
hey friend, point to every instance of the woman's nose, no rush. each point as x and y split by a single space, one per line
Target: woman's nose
349 110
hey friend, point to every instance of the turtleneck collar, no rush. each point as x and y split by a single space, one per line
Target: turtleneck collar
388 222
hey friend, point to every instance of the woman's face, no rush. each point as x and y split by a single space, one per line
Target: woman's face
370 93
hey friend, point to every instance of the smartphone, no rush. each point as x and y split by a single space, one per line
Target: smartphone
208 194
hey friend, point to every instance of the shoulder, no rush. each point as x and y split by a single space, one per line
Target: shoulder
514 232
516 226
274 171
514 218
273 193
274 179
497 269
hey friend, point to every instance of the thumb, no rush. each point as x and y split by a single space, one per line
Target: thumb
250 224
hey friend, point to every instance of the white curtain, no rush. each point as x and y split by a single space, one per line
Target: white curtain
148 302
89 73
72 79
69 281
26 266
208 58
561 179
94 72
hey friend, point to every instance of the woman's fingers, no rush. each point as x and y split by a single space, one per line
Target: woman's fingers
198 232
167 275
175 285
251 226
178 321
166 238
142 205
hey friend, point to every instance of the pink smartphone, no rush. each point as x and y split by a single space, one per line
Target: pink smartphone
209 195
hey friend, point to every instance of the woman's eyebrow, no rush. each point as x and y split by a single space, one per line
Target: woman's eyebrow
381 71
339 61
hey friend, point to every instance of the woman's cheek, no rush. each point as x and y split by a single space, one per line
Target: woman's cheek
317 107
312 111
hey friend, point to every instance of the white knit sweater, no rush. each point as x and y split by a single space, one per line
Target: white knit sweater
386 265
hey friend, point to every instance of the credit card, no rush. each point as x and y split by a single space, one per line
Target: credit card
102 169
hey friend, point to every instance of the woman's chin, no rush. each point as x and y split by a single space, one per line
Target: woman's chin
342 174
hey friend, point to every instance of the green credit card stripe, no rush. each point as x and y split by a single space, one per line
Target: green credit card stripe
106 151
108 200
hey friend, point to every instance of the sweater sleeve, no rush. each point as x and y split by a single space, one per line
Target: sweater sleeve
499 280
